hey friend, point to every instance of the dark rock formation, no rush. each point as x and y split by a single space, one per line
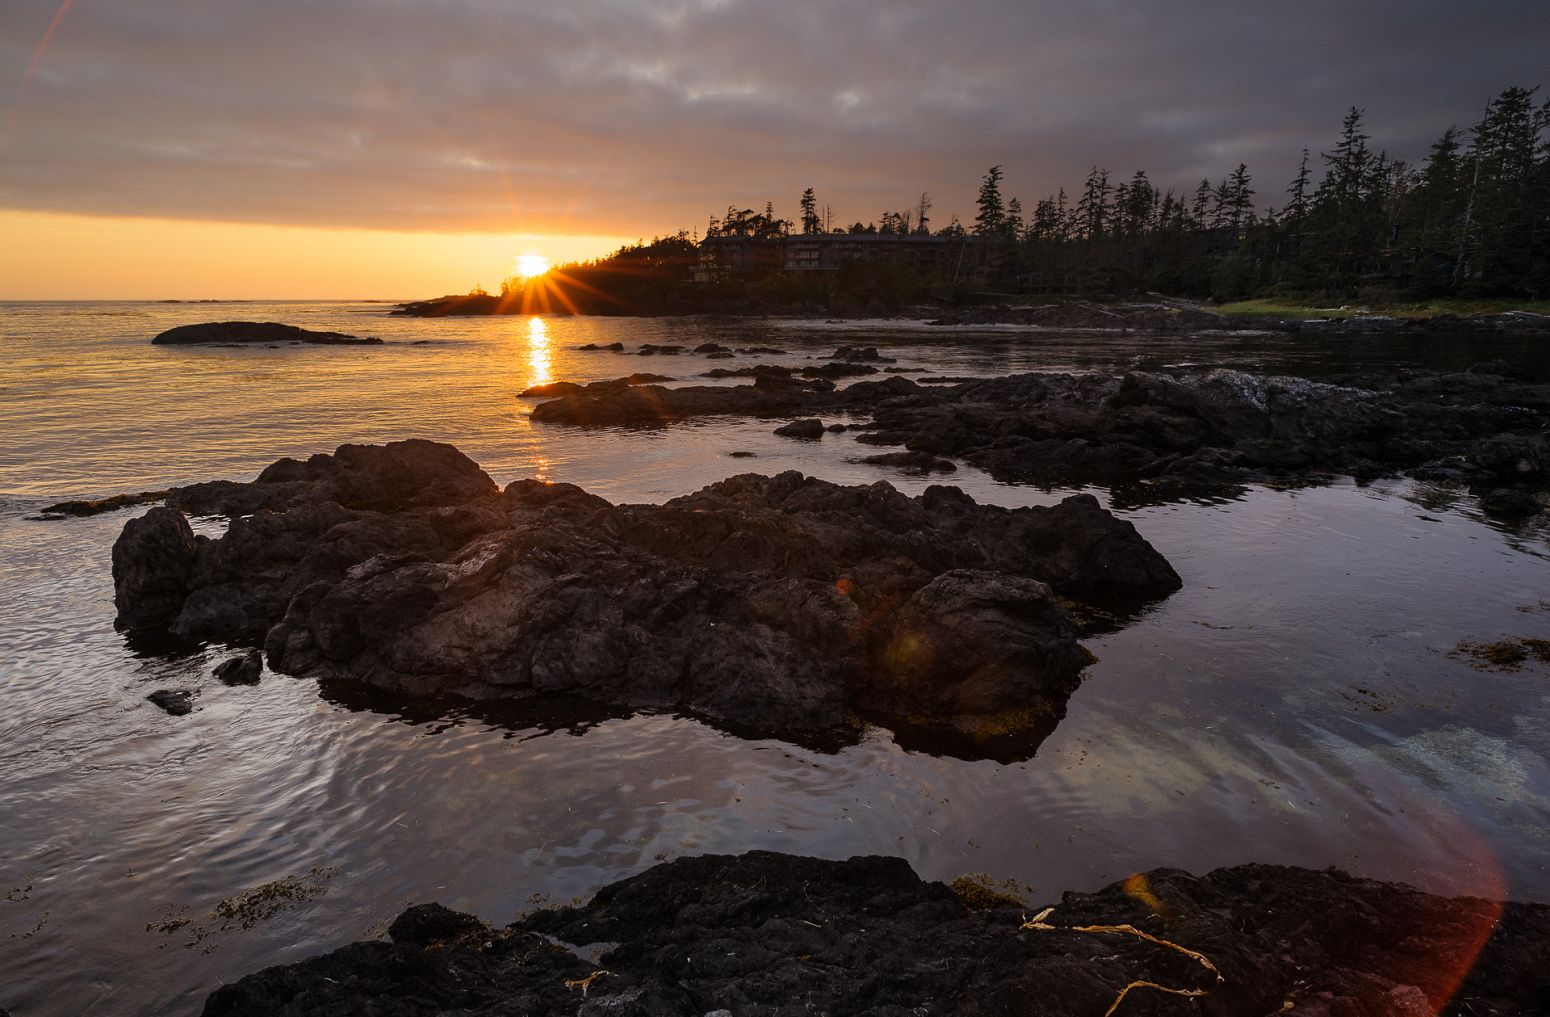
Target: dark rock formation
564 388
1506 503
711 348
1154 435
752 371
243 669
920 463
652 349
595 348
774 393
860 353
772 935
152 559
1225 427
837 370
550 389
783 602
228 332
809 429
1165 434
178 702
100 505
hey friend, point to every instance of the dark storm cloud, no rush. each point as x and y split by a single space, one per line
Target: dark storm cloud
608 116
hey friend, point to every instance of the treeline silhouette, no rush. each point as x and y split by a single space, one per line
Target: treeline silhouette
1471 220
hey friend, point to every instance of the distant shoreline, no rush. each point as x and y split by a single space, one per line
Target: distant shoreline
1158 316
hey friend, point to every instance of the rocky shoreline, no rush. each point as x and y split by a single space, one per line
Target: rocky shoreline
781 604
1152 435
772 935
1174 318
1168 317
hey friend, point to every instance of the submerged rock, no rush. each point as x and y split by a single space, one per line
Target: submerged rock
563 388
774 393
783 603
178 702
242 332
860 353
552 388
806 429
768 935
837 370
98 506
243 669
920 463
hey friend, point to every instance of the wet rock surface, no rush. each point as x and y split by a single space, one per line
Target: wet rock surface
255 332
178 702
773 935
920 463
1228 427
243 669
776 392
1158 435
783 603
807 429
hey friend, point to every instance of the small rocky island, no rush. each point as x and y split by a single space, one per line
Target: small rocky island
773 935
782 604
242 333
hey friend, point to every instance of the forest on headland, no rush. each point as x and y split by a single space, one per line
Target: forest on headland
1470 221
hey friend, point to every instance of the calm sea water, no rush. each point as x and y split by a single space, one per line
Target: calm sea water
1295 702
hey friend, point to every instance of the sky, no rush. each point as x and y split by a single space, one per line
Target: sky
394 149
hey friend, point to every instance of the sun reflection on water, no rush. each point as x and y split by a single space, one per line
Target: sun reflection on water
538 351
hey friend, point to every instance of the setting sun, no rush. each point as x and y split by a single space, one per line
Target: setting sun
530 265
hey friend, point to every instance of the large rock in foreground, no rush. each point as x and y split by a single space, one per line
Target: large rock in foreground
784 604
772 935
222 332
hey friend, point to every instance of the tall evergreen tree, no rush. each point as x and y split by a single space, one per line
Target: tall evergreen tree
992 214
809 204
1092 209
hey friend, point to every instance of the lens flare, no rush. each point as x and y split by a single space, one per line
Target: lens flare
530 266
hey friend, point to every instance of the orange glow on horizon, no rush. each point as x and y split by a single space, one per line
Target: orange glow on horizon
51 256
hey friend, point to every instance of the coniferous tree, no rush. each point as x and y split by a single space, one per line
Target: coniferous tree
1299 204
1092 210
1197 211
992 215
809 204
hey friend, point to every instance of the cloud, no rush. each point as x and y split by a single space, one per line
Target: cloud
635 117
